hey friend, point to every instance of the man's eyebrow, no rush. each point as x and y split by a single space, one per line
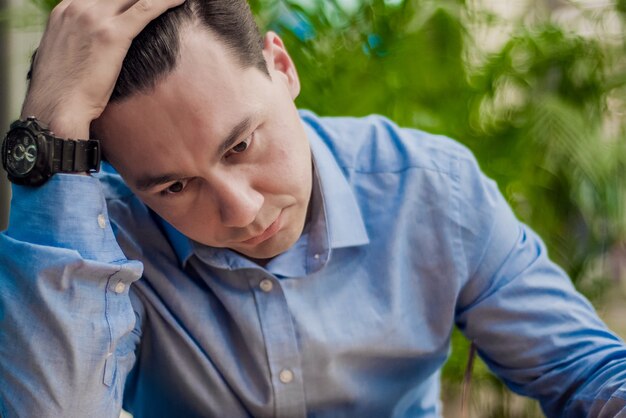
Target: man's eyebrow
148 182
235 134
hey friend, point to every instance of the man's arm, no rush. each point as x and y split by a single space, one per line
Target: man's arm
65 313
66 322
530 325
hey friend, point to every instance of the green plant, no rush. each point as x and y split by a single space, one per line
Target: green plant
541 113
534 112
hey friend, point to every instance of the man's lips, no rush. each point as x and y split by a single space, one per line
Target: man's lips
269 232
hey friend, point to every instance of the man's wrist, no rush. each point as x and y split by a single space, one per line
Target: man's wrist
63 124
32 153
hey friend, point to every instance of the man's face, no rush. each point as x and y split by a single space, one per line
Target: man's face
217 150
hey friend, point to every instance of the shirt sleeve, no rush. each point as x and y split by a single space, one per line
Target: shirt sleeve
64 304
530 325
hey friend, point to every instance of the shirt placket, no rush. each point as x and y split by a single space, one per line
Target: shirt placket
281 344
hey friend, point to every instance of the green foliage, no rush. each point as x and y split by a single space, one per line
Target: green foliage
534 112
541 113
373 59
46 5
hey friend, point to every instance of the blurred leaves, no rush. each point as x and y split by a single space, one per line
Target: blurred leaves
535 111
46 5
23 17
543 111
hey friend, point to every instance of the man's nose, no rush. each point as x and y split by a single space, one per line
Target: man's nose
238 203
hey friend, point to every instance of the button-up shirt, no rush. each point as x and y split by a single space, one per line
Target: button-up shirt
102 302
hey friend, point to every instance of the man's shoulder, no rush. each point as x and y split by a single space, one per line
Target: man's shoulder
374 143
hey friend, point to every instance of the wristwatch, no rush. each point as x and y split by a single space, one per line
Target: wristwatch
31 154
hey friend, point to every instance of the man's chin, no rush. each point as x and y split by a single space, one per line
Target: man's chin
264 252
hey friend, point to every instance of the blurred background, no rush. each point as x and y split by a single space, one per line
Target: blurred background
536 88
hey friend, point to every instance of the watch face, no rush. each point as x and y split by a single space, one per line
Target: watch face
21 152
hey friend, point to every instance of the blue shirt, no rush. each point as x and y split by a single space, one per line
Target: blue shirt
102 302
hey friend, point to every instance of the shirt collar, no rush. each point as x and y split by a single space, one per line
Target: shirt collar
339 225
344 221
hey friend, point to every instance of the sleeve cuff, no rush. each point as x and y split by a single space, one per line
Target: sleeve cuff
69 211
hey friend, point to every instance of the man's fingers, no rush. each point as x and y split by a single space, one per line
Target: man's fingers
60 8
131 16
120 6
142 12
112 8
80 56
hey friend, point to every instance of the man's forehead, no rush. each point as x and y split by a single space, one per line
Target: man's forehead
160 146
209 100
202 52
183 104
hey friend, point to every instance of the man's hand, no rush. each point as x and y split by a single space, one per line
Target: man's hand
80 57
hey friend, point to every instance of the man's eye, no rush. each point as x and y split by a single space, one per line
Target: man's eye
174 188
240 147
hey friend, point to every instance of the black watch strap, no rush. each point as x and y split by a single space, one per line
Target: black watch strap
72 156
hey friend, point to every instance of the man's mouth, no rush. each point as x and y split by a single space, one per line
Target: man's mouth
269 232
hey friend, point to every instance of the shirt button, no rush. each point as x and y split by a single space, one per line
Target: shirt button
266 285
102 222
285 376
119 288
316 256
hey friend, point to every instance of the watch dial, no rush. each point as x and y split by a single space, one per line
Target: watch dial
21 152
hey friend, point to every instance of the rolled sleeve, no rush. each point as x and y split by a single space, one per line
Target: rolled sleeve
64 303
532 328
69 211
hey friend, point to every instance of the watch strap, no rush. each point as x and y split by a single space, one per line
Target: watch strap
72 156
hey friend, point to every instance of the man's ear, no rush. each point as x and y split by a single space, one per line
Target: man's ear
279 63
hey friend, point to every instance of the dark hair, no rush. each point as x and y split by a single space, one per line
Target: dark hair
154 53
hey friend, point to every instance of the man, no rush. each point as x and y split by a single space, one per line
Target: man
257 261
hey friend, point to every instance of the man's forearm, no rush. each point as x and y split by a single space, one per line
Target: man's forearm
65 345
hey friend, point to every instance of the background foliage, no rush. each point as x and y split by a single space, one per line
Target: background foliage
539 96
543 112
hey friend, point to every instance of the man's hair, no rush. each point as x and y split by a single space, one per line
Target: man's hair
154 53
